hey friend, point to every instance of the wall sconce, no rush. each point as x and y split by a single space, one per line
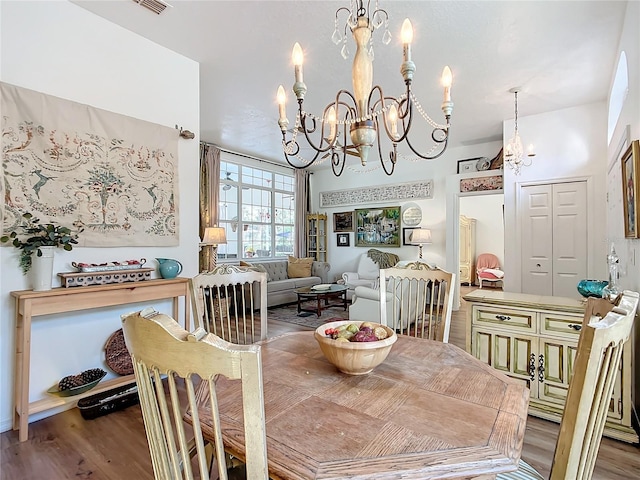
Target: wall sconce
213 236
421 236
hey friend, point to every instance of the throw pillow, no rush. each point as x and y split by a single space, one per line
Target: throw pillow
299 267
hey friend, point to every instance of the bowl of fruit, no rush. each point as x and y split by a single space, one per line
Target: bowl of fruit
355 348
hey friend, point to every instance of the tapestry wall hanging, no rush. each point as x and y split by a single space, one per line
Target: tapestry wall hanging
379 193
70 163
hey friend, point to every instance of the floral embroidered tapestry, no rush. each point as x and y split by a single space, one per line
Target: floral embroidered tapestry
73 164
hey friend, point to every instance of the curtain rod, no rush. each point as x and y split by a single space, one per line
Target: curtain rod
226 150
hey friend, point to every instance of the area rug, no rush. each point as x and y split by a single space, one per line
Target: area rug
289 314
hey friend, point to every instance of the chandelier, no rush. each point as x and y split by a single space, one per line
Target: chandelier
513 152
353 123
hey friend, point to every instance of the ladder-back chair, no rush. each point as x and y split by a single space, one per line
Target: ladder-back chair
160 348
605 329
223 303
421 299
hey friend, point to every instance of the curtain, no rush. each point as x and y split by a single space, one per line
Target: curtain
302 207
209 194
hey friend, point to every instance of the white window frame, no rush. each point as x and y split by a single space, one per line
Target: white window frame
235 228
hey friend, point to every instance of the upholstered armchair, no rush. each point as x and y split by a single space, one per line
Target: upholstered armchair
366 275
488 269
368 270
365 305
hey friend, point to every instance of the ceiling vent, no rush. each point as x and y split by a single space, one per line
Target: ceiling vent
156 6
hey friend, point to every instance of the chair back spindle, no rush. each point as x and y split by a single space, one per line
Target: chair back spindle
422 300
223 303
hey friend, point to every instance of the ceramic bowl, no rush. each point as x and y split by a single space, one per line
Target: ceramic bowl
592 288
354 358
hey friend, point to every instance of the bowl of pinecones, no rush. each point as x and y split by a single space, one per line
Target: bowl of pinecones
77 384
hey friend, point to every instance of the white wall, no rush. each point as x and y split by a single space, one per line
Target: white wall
487 210
61 49
434 212
627 249
570 145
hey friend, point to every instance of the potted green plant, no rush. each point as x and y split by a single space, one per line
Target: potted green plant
32 236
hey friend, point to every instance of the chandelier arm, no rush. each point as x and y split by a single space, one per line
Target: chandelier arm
380 11
380 102
444 142
392 154
306 131
294 153
405 115
337 162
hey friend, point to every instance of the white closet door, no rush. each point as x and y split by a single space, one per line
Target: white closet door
537 249
569 237
554 238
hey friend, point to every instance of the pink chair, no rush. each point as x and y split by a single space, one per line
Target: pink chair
488 269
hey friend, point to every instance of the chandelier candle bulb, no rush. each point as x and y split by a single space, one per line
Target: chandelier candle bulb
298 58
282 98
447 79
407 37
393 121
531 152
331 119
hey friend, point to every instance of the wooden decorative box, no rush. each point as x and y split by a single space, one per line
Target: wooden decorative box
83 279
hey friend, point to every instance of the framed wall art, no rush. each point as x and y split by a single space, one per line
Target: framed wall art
343 222
406 235
630 188
471 165
343 239
378 227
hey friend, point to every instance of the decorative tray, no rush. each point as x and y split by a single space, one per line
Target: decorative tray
109 266
322 286
75 390
84 279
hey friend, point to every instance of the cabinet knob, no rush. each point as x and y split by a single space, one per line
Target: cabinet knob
503 317
577 328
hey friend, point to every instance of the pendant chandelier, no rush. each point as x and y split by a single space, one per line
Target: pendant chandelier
513 152
353 123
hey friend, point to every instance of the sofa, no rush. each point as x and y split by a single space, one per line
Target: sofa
280 288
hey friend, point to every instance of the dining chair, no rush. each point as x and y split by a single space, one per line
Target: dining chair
223 303
165 355
420 298
605 328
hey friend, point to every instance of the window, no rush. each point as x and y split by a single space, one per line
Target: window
618 94
257 210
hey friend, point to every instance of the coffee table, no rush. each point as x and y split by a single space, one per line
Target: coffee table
335 291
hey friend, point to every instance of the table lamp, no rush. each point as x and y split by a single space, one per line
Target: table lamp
213 236
420 236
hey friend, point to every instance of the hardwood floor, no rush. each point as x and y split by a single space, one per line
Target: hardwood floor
114 447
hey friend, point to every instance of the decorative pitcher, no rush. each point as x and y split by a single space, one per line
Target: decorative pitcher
169 268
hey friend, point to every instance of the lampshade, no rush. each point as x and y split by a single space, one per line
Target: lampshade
421 236
214 236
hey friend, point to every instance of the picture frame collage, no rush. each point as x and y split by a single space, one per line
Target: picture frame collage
342 225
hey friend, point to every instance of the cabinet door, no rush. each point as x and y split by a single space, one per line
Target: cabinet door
554 369
510 353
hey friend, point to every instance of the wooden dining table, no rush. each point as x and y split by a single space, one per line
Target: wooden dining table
429 411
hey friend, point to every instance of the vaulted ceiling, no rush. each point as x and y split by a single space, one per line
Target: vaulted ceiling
561 53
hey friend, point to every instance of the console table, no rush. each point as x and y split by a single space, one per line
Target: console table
30 304
534 339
